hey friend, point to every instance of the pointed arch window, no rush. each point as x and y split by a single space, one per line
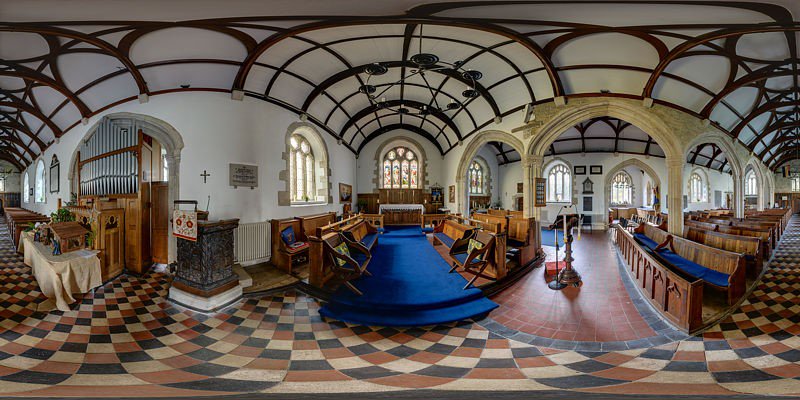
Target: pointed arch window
301 170
648 194
26 186
621 189
796 184
38 195
698 190
476 178
559 184
751 184
401 169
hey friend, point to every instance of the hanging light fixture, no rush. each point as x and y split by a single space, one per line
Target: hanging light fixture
423 63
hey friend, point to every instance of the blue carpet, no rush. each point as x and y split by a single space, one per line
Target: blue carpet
409 286
547 238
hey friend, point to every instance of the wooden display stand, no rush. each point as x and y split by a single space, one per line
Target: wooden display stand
70 236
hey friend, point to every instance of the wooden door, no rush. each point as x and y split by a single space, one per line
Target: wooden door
160 211
519 203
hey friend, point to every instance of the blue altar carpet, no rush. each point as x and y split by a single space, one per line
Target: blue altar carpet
547 238
410 286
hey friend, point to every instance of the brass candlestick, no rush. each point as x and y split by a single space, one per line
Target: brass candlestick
569 276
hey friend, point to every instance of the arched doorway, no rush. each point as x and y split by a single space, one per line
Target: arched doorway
162 132
713 154
500 145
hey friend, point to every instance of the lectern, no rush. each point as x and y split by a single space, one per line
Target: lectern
204 278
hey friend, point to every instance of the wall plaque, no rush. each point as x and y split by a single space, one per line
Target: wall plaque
243 175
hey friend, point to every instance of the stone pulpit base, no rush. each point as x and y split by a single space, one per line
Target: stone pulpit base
204 278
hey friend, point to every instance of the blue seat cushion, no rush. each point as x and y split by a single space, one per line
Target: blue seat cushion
381 230
645 241
696 270
462 257
288 236
369 240
427 229
446 240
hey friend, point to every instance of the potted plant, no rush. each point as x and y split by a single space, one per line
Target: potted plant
62 215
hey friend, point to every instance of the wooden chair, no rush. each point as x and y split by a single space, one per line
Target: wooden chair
475 261
343 266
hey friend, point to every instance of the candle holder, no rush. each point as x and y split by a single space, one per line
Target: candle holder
567 276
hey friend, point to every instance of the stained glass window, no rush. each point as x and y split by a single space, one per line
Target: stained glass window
401 169
301 169
476 178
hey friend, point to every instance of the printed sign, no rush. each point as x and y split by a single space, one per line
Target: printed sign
184 224
243 175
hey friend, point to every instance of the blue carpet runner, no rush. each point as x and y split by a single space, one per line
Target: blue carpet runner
410 286
548 238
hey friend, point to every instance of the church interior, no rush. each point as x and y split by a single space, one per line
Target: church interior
400 199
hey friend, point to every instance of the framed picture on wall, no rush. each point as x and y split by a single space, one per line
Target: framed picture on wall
580 170
519 187
345 193
55 172
596 170
451 195
587 203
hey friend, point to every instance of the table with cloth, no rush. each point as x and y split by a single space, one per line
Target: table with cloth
62 275
402 214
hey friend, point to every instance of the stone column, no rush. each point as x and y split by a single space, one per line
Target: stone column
738 197
532 166
462 204
675 194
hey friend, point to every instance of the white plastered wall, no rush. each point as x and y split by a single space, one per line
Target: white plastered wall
217 131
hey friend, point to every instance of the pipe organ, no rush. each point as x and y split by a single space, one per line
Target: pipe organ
110 176
110 161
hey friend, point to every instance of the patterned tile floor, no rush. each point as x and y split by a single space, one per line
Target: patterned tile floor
125 339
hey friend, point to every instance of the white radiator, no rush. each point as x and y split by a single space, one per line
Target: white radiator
252 242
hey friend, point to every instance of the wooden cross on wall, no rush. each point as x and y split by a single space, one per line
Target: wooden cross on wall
205 176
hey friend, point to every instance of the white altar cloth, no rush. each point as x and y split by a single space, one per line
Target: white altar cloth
401 207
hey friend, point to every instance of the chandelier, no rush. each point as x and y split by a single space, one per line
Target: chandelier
422 64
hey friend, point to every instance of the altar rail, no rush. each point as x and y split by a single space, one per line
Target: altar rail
677 296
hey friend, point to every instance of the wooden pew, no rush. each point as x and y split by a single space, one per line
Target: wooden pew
677 296
764 234
430 221
487 262
450 231
494 223
749 246
362 232
18 219
376 220
709 258
522 237
284 256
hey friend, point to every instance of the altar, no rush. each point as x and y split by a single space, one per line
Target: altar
402 214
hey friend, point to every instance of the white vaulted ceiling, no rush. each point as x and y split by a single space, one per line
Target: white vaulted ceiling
734 63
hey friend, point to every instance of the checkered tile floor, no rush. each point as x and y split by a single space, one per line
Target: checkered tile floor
126 339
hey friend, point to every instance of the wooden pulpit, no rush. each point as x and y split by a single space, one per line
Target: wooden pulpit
204 278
